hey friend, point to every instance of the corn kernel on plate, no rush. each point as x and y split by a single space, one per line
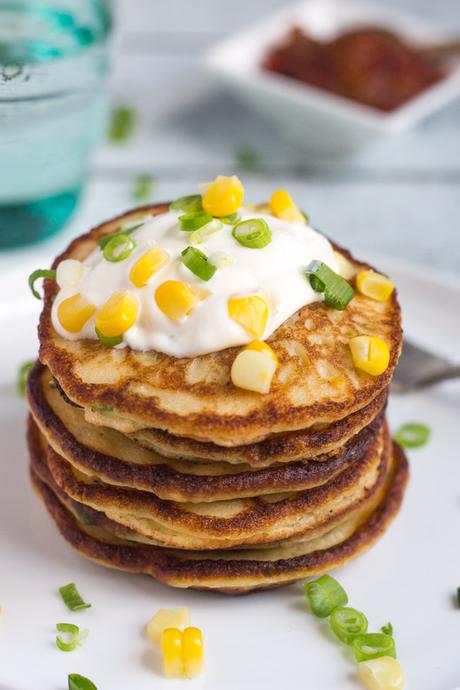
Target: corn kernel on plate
409 578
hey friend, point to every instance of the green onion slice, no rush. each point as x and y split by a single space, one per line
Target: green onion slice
202 234
387 629
122 123
110 342
40 273
118 248
72 598
189 204
197 263
143 186
306 216
324 595
126 230
253 233
23 375
77 682
76 637
337 292
412 435
193 221
102 408
346 623
373 646
230 220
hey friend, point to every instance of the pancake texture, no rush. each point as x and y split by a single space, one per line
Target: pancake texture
158 465
315 383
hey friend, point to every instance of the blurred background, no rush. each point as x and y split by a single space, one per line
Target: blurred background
169 124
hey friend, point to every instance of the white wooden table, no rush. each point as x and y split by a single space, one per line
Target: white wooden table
400 197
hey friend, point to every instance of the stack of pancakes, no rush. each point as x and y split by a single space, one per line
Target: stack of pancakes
158 465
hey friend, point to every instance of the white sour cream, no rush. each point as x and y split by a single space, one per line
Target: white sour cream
275 272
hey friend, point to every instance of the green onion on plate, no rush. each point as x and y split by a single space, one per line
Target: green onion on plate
40 273
105 340
77 682
337 292
412 435
347 623
189 204
193 221
373 646
72 598
253 233
122 123
197 263
75 636
104 241
202 234
324 595
143 186
387 629
118 248
23 375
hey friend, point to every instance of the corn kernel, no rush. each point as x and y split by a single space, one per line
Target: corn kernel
250 312
253 371
384 673
260 346
167 618
370 353
374 285
224 196
69 273
171 646
117 315
345 267
176 299
147 265
74 312
192 652
282 206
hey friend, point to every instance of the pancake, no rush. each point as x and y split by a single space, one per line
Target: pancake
316 382
233 571
109 456
226 524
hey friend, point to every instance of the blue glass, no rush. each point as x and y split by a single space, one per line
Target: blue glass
54 59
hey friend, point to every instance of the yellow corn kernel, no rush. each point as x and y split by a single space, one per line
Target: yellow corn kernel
260 346
74 312
192 652
250 312
117 315
384 673
147 265
171 647
344 267
370 353
282 206
224 196
167 618
176 299
253 371
374 285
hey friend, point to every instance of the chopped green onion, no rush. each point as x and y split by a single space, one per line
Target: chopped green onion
197 263
77 682
110 342
143 187
72 598
412 435
373 646
253 233
194 221
248 159
306 216
76 637
103 241
337 292
387 629
192 203
118 248
40 273
102 408
346 623
23 375
324 595
205 231
122 123
230 220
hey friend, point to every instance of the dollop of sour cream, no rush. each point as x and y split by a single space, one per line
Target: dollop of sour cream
276 272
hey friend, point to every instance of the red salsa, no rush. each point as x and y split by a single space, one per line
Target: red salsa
369 65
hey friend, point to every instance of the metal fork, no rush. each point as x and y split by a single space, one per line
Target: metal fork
417 368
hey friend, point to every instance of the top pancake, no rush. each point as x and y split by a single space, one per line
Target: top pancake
316 382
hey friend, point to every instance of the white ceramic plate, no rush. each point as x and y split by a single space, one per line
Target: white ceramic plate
266 640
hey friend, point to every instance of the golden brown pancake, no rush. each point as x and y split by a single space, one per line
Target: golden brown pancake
231 571
107 455
315 384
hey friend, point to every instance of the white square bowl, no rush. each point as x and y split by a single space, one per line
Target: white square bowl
314 118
